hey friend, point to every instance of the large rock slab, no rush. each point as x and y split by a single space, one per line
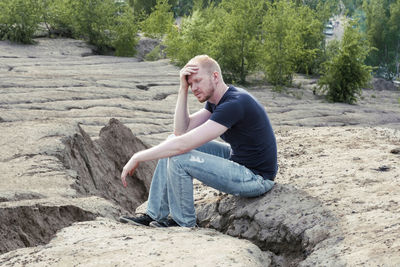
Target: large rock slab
286 221
336 202
106 243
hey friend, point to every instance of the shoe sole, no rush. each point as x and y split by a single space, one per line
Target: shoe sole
156 224
125 220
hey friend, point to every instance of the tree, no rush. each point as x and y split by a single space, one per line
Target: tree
146 6
106 24
394 27
229 32
159 21
310 40
191 38
280 41
352 6
345 73
382 33
236 41
125 29
245 36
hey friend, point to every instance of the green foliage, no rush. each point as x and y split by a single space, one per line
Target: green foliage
147 6
247 36
394 28
125 29
92 21
383 27
107 24
352 6
59 17
310 40
345 73
155 54
191 38
228 32
325 9
159 21
237 45
279 42
140 6
19 19
293 39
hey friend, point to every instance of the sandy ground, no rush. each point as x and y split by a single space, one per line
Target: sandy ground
343 156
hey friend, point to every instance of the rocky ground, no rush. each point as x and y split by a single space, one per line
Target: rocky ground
69 120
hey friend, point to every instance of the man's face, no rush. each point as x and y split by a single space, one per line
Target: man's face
201 85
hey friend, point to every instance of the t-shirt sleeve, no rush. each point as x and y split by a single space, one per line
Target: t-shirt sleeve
208 107
228 113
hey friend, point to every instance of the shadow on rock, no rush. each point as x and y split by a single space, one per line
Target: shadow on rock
28 226
285 221
97 165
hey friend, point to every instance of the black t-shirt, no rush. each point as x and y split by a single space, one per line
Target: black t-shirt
249 131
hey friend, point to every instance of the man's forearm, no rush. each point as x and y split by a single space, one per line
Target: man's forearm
168 148
181 117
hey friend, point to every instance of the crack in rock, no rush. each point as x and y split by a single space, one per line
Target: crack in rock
99 164
285 221
29 226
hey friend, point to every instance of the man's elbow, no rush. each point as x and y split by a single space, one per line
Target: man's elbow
177 132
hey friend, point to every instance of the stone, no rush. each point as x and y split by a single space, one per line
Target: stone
99 163
104 242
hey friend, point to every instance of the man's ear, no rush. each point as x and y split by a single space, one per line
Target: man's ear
215 75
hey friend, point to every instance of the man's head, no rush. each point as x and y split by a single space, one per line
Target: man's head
207 63
207 80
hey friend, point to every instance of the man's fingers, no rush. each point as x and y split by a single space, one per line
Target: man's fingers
123 178
124 181
189 70
191 66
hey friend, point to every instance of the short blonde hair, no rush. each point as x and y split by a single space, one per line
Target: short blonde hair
206 62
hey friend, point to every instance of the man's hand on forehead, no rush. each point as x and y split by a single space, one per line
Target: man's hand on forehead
186 71
189 69
192 68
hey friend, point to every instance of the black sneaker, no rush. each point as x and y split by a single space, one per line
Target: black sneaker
141 220
167 223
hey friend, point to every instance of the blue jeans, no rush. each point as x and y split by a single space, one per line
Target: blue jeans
171 190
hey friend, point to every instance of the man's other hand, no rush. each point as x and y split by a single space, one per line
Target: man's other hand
129 168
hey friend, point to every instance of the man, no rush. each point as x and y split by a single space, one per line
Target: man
245 165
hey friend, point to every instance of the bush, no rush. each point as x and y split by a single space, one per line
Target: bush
189 40
106 24
236 41
125 39
19 20
228 32
93 21
159 21
58 17
280 44
345 74
246 36
155 54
